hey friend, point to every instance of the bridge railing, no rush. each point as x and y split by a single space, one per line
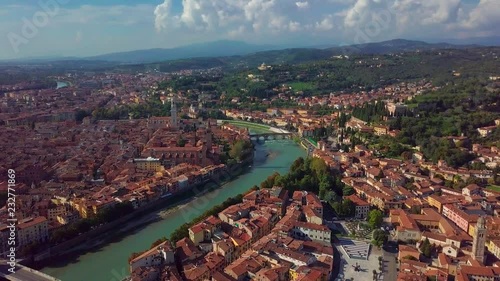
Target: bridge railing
39 273
16 276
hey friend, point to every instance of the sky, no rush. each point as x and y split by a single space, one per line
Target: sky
40 28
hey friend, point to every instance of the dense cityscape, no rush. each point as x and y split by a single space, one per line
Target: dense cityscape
398 178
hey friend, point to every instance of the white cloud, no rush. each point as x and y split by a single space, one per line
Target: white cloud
424 12
354 21
380 19
326 24
212 15
294 26
302 5
162 13
485 15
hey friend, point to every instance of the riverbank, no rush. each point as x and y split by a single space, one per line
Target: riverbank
147 214
109 260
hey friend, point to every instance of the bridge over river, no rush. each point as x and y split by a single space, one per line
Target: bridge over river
23 273
270 136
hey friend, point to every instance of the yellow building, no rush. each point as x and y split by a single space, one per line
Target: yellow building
293 273
472 228
196 234
68 218
148 164
303 112
380 130
494 248
439 201
81 206
32 230
204 230
55 211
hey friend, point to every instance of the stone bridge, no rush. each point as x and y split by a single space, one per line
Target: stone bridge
270 136
23 273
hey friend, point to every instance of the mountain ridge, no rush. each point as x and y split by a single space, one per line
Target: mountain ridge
209 49
228 49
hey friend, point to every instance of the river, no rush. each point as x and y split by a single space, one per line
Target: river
62 85
109 262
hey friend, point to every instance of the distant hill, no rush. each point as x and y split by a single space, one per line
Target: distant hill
301 55
210 49
237 48
483 41
394 46
234 55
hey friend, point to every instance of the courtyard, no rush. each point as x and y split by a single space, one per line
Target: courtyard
357 229
356 268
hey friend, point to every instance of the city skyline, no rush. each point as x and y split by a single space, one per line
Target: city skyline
87 28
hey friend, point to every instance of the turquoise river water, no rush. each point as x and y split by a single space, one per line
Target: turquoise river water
109 262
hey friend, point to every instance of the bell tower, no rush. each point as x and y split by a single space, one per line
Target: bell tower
173 113
479 241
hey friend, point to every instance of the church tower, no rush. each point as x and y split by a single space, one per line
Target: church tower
173 113
479 240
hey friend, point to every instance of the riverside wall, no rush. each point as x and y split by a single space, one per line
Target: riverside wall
94 237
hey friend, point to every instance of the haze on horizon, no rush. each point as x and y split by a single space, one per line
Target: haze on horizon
93 27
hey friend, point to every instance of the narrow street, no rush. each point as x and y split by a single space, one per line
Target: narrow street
390 253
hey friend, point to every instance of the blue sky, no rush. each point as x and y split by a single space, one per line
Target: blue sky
92 27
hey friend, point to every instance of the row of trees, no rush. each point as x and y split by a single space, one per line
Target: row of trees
379 236
309 174
151 108
183 230
370 112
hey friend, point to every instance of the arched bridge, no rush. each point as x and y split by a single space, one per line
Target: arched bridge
270 136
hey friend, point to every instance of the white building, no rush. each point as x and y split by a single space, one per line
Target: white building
161 254
311 231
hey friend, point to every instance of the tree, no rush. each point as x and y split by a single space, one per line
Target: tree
240 149
379 237
331 196
344 209
318 166
297 164
270 181
426 248
347 190
181 142
348 208
375 218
